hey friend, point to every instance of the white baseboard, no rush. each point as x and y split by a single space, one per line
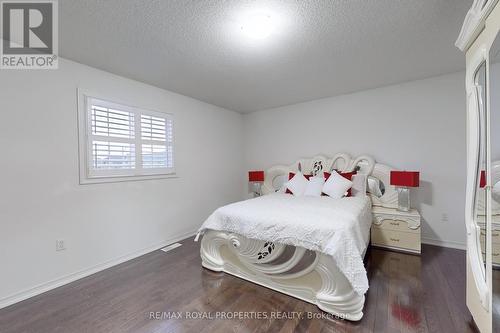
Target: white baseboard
44 287
439 242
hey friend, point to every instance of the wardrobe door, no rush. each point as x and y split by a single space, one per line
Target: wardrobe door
480 37
478 242
493 175
480 206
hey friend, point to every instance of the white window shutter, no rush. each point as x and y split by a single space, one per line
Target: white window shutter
157 140
117 146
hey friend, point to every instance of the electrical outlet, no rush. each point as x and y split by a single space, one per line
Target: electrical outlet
444 217
60 245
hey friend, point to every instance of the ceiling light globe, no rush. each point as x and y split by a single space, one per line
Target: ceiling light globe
258 26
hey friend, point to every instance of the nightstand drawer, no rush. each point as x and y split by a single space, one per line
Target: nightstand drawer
495 257
495 251
495 236
396 225
403 240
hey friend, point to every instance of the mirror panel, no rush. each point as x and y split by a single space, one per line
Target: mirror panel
279 182
375 186
480 201
494 76
494 133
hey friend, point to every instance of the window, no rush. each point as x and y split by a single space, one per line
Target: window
123 143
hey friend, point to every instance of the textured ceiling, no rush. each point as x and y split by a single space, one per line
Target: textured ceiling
320 48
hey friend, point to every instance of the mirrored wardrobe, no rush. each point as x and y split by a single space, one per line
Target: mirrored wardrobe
480 39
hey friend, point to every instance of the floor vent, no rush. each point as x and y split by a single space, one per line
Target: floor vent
171 247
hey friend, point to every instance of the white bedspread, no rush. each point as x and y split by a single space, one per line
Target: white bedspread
336 227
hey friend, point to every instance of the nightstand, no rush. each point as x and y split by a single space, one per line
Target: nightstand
393 229
495 238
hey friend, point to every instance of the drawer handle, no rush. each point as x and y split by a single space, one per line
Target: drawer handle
496 234
394 239
394 223
495 254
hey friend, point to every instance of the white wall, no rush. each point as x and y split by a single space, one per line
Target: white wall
418 125
41 200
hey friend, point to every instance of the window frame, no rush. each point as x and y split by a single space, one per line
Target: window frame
88 175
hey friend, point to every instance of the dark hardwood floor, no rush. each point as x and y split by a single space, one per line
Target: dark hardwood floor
407 294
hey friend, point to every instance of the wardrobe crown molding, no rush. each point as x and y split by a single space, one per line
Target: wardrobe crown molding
474 22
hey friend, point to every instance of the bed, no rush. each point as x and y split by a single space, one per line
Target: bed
311 248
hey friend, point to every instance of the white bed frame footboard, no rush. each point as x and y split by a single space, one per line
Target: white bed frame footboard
295 271
311 276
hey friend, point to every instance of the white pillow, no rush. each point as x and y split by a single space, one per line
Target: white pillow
298 184
336 186
314 186
358 185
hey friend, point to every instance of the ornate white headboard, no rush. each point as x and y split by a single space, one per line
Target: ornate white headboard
277 175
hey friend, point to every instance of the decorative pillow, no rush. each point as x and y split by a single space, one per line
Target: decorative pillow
314 187
290 176
336 185
298 184
346 175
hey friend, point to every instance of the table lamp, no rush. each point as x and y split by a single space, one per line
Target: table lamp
255 180
403 180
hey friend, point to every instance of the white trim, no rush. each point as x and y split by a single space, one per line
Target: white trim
88 176
474 22
443 243
44 287
132 178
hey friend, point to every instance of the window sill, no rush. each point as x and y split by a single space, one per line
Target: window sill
120 179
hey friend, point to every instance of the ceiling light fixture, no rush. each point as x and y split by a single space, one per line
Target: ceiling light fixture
258 26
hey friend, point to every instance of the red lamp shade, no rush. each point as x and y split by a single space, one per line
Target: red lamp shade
255 176
405 178
482 180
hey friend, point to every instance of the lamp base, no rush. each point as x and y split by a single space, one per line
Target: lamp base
403 199
255 189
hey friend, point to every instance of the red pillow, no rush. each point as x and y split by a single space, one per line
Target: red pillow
346 175
290 176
